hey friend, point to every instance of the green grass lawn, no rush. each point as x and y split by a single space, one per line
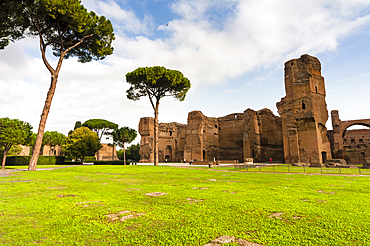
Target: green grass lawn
108 205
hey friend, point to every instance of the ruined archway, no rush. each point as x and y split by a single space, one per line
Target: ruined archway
353 145
354 124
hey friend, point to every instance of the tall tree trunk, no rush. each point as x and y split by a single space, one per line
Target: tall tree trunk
156 135
4 158
124 154
44 116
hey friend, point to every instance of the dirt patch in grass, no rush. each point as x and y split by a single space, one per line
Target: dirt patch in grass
201 188
16 181
132 189
123 215
156 194
321 191
229 191
193 200
89 203
229 239
68 195
276 215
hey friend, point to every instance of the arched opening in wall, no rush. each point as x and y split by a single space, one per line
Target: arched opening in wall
303 105
356 142
170 133
357 128
204 155
324 157
168 154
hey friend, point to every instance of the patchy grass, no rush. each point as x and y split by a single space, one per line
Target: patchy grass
146 205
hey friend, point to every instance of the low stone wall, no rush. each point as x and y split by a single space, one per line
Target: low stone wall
201 163
227 162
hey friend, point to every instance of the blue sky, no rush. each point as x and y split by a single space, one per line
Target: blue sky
233 52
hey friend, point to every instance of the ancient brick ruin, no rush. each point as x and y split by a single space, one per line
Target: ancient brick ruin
252 134
299 135
351 145
303 112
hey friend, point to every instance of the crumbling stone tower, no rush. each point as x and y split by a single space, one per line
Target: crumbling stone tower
146 130
304 113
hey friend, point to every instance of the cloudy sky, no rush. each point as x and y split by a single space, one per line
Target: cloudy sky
232 51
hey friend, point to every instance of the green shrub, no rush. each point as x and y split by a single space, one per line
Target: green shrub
25 160
90 159
50 160
17 160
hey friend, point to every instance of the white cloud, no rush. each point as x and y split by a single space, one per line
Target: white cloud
256 33
253 34
124 20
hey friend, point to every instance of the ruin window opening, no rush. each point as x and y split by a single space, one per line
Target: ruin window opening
316 89
170 133
363 154
235 116
352 140
361 140
216 126
303 105
204 155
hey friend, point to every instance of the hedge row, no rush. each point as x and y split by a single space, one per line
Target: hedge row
90 159
43 160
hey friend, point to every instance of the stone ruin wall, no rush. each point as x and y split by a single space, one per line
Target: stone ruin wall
202 137
304 113
107 153
231 133
208 138
263 137
146 130
356 146
351 145
171 142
